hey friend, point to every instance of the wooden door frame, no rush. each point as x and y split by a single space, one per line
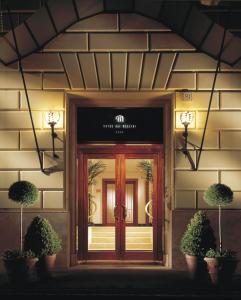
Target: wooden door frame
121 152
76 99
135 200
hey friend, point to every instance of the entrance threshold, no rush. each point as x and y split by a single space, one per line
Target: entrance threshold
115 264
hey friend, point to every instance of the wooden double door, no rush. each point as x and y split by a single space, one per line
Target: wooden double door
120 192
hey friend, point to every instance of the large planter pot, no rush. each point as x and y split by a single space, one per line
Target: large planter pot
213 266
227 271
17 271
195 266
45 266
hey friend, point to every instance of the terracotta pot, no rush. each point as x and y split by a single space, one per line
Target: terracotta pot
195 266
45 266
213 266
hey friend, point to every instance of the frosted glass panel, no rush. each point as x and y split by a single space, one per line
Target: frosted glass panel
138 205
101 204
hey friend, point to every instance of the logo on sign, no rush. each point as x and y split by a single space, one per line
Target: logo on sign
120 119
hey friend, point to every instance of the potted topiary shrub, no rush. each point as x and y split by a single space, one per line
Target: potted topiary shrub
42 239
221 195
195 242
19 262
25 193
218 195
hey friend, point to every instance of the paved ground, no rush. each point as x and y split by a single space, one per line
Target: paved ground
118 282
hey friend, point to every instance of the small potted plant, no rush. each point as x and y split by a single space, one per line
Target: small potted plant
212 259
42 239
18 263
195 242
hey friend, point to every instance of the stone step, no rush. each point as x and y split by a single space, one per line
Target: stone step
102 228
128 234
128 239
130 246
128 228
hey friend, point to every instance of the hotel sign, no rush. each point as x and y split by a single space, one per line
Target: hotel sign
120 125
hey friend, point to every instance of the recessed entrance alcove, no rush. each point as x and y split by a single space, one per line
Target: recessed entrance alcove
117 140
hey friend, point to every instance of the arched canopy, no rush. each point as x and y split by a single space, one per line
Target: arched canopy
183 17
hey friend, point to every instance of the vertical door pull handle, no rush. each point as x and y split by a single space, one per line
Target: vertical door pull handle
116 214
124 212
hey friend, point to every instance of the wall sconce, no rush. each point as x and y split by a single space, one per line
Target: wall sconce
52 119
186 118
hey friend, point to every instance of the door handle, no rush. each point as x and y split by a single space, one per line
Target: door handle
116 214
124 212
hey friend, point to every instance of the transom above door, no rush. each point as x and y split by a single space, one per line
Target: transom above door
120 200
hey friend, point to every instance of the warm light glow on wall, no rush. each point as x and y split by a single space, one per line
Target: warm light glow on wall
53 116
178 120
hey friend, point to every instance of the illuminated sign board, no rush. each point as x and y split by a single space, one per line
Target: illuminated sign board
120 125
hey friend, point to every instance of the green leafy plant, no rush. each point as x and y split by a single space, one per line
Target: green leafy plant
229 254
18 254
146 167
25 193
219 195
41 238
212 253
198 237
94 169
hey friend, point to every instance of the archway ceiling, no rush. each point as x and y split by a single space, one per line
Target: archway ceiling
88 65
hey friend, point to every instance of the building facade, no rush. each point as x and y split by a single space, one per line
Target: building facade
118 79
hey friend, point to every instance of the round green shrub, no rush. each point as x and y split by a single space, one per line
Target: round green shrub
212 253
198 237
41 238
23 192
218 194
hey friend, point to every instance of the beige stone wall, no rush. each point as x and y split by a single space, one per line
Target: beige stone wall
121 52
18 158
221 158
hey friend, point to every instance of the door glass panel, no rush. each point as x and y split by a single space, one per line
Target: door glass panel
110 202
129 202
138 205
101 204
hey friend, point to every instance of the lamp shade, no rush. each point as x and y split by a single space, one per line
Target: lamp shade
52 117
186 118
